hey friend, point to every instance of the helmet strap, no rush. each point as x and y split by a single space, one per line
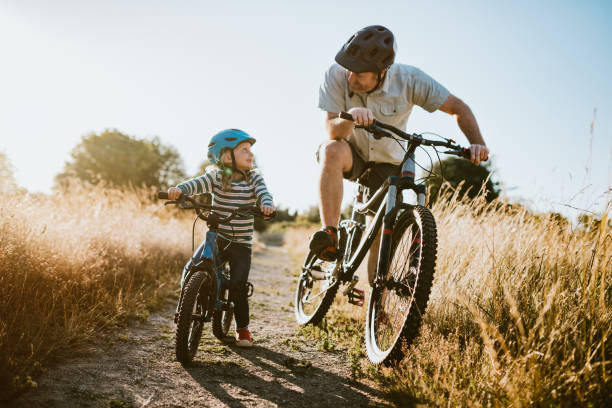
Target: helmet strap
378 81
235 167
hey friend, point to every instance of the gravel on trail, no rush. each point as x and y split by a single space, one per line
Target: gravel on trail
136 367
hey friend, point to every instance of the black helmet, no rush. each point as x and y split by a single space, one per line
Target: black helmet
370 49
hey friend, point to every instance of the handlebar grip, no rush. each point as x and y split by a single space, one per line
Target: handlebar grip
465 153
346 116
255 211
162 195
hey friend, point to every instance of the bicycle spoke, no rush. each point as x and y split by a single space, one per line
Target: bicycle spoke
398 292
310 299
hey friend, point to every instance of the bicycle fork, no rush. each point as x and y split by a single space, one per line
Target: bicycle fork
394 197
200 261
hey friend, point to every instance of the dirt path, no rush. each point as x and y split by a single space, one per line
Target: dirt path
138 368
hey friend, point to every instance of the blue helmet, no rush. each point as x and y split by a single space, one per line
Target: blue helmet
226 139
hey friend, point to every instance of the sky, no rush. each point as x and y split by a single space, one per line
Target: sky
535 74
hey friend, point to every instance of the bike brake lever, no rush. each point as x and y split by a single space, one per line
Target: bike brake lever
379 134
465 153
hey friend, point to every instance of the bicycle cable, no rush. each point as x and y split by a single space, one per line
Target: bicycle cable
426 152
193 233
430 171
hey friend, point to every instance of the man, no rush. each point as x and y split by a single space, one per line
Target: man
367 84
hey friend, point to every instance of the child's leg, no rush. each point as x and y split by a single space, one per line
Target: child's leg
239 257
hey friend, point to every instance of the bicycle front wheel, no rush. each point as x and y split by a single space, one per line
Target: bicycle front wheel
397 304
316 289
191 315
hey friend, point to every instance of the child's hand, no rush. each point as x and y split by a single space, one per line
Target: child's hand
174 193
267 210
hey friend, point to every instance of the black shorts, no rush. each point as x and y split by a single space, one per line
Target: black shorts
368 174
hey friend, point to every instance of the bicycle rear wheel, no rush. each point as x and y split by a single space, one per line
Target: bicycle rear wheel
316 289
396 306
190 316
222 319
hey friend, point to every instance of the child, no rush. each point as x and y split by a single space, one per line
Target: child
234 184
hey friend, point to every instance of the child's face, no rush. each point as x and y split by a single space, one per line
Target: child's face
243 155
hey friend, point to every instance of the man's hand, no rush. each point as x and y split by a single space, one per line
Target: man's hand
479 153
174 193
267 209
362 116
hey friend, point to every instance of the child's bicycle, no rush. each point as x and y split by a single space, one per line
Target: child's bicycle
205 281
406 260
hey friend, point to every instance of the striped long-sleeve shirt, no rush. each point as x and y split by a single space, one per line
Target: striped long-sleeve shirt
243 194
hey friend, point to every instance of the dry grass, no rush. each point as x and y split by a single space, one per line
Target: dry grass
520 314
77 263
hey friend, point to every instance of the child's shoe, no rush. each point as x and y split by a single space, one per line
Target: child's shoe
243 338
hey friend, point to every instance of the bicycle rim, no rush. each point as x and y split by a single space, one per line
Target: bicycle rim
314 296
396 307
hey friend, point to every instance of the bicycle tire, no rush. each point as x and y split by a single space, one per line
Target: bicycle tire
188 330
304 288
387 347
222 320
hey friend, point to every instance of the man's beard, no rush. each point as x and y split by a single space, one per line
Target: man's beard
359 90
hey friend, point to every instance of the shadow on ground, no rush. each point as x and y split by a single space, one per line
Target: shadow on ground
281 380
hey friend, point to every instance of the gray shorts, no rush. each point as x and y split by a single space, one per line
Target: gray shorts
369 174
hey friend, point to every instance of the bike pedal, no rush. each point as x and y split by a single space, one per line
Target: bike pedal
356 297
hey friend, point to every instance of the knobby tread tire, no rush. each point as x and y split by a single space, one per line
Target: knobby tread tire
217 323
323 308
412 324
190 295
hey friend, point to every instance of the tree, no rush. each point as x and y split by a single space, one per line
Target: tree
455 171
121 160
8 184
592 222
311 215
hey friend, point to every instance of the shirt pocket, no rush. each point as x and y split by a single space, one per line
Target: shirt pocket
393 108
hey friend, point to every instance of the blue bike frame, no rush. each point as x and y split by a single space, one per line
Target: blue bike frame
207 253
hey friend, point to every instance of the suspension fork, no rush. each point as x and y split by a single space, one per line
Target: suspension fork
387 230
394 197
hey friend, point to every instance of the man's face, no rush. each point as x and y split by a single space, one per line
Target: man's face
363 82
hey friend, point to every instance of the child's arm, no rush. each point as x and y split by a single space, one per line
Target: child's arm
199 185
264 197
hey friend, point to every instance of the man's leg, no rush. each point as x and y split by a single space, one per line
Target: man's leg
336 158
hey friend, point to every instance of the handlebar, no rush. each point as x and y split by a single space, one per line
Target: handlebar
199 207
380 130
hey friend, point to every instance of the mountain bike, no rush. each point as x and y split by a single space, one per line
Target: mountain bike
205 280
406 258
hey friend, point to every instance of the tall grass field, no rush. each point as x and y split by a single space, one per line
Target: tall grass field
76 263
520 314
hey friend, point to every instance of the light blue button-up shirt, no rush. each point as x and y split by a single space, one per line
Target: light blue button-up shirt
403 87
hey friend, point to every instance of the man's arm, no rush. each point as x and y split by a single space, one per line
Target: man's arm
338 128
468 125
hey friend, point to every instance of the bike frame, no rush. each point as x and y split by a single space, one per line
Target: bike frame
390 208
207 254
